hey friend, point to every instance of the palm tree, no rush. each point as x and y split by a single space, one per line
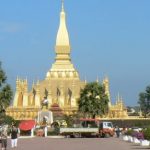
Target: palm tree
93 101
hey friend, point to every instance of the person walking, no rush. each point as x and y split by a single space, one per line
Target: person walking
4 137
14 136
117 131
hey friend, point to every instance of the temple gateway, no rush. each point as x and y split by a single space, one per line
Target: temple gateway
61 86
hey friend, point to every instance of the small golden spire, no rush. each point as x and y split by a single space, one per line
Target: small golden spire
26 80
62 39
38 82
118 97
17 80
97 80
33 84
85 80
62 5
106 78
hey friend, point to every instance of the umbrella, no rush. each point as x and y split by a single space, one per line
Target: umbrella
27 125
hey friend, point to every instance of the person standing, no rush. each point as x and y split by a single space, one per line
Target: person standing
14 136
4 138
45 131
117 131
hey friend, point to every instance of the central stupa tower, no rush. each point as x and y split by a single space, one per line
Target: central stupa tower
62 66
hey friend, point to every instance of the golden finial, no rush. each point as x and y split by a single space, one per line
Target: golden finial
97 80
26 80
62 1
85 80
118 97
17 80
33 84
37 82
106 78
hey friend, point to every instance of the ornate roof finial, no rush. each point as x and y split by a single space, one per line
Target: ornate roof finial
118 97
62 5
97 80
38 82
106 78
33 84
26 80
17 80
85 80
62 39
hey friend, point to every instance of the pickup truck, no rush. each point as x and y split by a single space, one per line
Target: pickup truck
89 128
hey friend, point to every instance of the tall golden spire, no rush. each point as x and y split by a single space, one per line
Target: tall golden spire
62 66
62 8
62 39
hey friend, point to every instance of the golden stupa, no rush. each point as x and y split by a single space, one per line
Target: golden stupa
118 110
61 85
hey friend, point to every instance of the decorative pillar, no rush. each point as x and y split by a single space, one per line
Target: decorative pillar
32 132
61 100
37 96
106 85
25 93
73 100
15 102
45 131
49 98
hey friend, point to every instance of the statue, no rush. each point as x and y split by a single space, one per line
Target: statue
45 103
45 120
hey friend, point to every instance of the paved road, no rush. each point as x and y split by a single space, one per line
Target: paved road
41 143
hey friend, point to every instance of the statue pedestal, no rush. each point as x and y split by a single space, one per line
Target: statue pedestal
57 111
45 117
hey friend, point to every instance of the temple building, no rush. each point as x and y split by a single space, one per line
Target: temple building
61 86
118 110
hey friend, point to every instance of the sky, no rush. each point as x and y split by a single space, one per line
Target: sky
108 38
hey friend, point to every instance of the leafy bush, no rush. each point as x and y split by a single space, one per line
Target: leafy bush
6 119
147 133
129 132
53 132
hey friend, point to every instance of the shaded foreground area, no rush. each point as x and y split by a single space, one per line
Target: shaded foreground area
40 143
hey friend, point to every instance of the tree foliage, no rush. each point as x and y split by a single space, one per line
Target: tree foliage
5 91
72 119
93 100
144 101
6 119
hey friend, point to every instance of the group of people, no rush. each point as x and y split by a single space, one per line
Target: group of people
13 135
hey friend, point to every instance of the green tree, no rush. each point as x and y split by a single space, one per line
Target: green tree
144 101
5 91
93 101
6 119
